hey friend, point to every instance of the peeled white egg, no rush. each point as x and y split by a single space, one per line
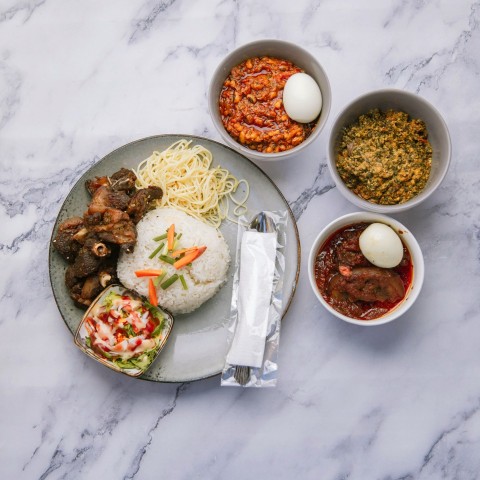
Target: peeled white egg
302 98
381 245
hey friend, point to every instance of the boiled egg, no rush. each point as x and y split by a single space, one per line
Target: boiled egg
302 98
381 245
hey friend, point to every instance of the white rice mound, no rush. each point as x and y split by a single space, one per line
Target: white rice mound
204 277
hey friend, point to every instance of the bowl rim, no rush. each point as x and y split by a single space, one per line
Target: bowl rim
426 192
409 240
253 154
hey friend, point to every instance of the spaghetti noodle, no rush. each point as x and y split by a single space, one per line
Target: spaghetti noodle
191 184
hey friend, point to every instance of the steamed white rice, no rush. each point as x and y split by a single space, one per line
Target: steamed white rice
204 278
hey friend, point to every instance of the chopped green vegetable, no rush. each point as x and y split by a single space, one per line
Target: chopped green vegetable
157 280
108 301
125 364
184 283
169 281
88 342
164 236
154 253
157 330
144 360
167 259
129 329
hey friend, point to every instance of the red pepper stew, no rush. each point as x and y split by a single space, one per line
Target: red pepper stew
351 284
251 106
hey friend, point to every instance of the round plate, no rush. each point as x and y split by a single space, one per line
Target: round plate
197 345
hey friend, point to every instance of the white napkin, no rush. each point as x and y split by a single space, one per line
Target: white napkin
257 267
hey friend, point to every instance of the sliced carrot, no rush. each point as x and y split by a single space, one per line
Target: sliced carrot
171 236
177 253
152 293
189 257
148 273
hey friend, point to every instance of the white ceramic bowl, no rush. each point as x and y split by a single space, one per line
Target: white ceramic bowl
408 240
416 107
273 48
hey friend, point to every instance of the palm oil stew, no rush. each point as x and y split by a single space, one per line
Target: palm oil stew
251 106
351 284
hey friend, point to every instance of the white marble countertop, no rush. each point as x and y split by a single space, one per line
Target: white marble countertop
400 401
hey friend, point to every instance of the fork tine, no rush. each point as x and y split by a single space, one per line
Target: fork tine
242 374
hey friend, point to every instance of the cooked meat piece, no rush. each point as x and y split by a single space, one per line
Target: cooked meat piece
349 253
70 279
64 241
142 201
107 277
84 290
85 263
97 247
95 183
368 284
105 197
91 288
81 235
123 180
92 244
115 227
80 302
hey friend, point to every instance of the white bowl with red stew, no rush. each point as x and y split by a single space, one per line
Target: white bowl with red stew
246 99
366 268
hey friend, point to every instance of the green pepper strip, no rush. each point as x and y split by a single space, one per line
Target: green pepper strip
169 281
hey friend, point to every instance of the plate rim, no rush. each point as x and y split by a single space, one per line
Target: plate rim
188 137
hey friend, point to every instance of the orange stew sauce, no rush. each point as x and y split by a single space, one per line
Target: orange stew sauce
340 263
251 106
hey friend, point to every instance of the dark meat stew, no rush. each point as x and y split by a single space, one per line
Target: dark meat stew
351 284
91 244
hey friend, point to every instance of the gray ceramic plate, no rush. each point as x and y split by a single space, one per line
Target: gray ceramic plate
197 345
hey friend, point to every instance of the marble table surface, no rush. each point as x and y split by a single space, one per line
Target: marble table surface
400 401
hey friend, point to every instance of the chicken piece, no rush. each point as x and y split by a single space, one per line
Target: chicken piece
64 242
368 284
142 201
106 197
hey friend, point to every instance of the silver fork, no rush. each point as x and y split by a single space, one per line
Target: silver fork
262 223
242 374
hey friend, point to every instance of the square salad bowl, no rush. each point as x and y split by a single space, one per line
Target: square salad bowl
123 331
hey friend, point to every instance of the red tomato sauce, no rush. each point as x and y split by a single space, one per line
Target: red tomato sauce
251 106
341 252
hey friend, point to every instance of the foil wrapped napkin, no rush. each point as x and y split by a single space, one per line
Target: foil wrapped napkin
257 269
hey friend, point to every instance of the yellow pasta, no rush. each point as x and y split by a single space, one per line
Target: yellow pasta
189 183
